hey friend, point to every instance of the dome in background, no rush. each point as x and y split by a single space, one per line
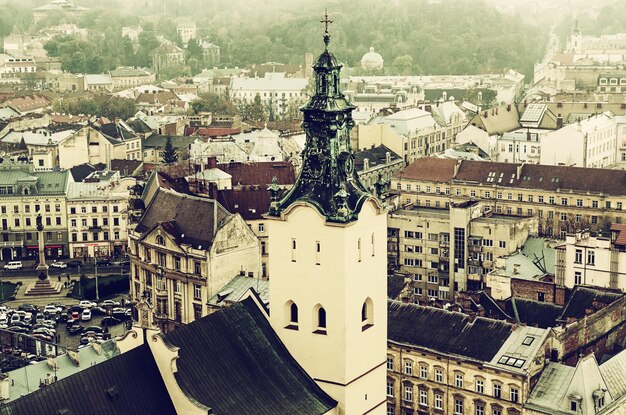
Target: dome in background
372 60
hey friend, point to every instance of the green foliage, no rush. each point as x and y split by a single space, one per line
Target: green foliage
173 70
113 107
213 103
108 286
169 152
488 98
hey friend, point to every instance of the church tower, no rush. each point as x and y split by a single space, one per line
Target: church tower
328 289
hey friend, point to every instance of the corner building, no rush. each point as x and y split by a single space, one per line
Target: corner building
328 250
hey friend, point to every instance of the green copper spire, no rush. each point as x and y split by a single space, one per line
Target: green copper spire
328 180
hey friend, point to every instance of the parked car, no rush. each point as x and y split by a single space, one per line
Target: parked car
110 303
75 316
18 329
50 309
74 263
58 264
110 321
98 311
86 315
44 337
103 262
27 307
121 313
95 329
87 304
14 265
75 329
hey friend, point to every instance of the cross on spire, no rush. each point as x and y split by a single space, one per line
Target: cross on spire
326 22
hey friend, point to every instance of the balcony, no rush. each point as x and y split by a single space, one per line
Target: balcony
475 248
474 262
444 244
11 244
95 228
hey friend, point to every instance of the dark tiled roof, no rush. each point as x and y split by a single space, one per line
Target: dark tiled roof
583 298
112 387
166 181
161 97
249 203
533 313
116 131
395 285
138 125
213 131
260 173
491 307
191 219
429 168
126 167
81 171
445 331
498 120
376 156
245 369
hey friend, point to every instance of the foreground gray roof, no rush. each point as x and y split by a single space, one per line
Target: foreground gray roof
233 362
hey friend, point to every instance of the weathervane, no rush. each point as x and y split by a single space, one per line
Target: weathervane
326 22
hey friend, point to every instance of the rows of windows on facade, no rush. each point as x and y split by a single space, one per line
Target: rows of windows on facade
436 397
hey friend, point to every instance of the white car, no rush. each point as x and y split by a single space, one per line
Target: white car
13 265
58 264
50 309
87 304
86 315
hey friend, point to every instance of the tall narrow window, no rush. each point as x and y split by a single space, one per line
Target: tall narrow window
293 313
367 312
373 246
318 250
358 247
321 318
293 250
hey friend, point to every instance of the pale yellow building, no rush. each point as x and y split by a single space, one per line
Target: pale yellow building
97 216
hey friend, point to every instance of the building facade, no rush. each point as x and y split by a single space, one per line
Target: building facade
451 248
97 217
183 251
564 199
459 364
25 194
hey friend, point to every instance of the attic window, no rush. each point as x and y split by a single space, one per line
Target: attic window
528 340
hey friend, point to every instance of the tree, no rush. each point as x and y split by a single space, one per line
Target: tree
213 103
169 152
403 64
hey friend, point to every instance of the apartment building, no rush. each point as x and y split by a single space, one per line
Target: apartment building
97 216
25 194
443 362
411 133
274 89
183 251
596 261
564 199
452 247
588 143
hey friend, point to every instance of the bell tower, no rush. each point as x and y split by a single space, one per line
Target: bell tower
328 290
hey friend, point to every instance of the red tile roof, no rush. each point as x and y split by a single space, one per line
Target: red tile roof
216 132
429 169
529 176
261 173
620 230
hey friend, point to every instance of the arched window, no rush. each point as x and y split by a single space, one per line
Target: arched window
367 314
321 318
291 315
160 240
